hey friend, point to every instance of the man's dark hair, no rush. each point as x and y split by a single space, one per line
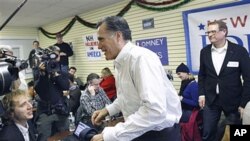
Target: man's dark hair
92 76
116 23
36 42
31 83
74 68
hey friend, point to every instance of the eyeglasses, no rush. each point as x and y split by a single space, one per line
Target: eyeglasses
212 31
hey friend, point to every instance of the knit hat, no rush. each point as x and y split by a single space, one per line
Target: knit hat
182 68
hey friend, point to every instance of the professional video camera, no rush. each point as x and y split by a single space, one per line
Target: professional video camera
9 69
48 56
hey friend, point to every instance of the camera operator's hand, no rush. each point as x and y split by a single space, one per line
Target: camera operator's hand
98 137
63 54
42 67
91 90
98 116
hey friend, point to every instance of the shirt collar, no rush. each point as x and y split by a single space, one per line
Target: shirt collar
122 55
23 129
224 48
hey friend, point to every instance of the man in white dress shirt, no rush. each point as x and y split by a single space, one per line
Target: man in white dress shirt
145 96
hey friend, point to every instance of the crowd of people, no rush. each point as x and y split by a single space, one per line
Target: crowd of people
139 91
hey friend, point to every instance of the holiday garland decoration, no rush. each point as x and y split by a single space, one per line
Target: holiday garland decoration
66 29
161 6
155 6
156 3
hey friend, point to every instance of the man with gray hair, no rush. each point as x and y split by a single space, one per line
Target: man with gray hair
145 96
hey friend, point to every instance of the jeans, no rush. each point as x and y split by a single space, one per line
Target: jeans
49 124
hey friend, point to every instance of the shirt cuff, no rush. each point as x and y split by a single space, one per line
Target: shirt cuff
112 109
108 134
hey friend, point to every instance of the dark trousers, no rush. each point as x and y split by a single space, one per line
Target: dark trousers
167 134
211 117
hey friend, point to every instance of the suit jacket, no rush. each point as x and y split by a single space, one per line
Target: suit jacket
74 100
232 93
11 132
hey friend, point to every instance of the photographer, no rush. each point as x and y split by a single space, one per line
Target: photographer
33 59
52 108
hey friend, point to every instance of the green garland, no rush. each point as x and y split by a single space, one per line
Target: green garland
154 8
66 29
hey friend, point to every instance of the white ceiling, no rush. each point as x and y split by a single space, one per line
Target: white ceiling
36 13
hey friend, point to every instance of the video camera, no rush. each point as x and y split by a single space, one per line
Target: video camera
48 56
9 69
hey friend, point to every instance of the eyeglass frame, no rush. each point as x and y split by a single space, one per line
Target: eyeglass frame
212 31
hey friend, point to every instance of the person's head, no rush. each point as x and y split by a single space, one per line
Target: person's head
72 70
31 89
106 72
93 79
217 31
113 33
182 71
36 44
59 38
5 50
18 106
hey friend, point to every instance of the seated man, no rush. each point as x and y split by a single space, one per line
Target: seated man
93 98
18 110
77 80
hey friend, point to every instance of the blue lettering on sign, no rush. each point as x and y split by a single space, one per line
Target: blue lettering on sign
157 45
153 42
94 54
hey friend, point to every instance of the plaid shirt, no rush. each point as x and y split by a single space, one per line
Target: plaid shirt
93 103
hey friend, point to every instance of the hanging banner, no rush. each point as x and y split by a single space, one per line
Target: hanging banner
157 45
237 17
91 44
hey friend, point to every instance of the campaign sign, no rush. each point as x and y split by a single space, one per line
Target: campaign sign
235 15
157 45
91 44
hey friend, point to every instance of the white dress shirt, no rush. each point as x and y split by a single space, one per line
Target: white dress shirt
218 56
145 95
24 131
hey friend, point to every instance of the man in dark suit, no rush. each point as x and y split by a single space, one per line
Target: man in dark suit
18 110
222 65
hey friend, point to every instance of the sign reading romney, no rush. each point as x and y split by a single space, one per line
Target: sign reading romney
237 17
157 45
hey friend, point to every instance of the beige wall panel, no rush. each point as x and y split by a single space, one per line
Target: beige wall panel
167 24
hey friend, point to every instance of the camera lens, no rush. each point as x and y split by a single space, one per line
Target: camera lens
5 78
